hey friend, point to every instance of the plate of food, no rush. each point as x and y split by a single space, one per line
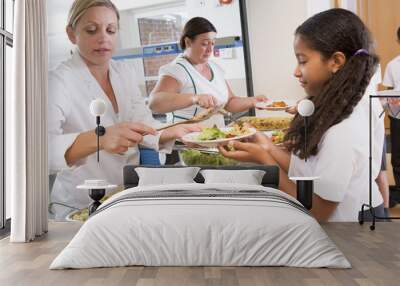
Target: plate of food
83 214
274 105
78 215
277 136
265 123
214 136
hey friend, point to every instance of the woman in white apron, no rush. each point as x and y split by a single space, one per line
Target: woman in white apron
91 74
192 82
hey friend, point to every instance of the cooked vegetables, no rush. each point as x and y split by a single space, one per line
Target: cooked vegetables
277 104
81 215
237 130
267 123
215 133
277 136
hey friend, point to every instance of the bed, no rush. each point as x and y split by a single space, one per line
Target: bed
201 224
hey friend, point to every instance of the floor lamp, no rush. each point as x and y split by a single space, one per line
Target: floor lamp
384 94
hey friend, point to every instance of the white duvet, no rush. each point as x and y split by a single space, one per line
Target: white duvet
188 231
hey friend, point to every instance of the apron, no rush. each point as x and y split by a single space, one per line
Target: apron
217 119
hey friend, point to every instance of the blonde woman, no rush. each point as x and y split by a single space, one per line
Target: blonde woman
90 74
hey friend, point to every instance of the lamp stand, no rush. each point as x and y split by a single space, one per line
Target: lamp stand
100 131
370 206
96 195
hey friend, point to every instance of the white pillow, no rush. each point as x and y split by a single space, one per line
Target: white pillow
166 176
248 177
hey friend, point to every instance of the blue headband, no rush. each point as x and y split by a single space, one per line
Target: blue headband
361 52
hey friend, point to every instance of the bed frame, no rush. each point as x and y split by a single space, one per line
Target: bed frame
270 179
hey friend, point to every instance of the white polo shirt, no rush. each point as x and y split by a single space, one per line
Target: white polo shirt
392 79
342 163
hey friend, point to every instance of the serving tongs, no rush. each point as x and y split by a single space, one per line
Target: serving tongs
201 149
204 115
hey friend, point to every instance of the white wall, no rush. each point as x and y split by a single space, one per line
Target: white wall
271 28
59 45
133 4
350 5
316 6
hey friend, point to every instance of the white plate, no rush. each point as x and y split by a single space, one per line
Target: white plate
71 214
304 178
94 187
264 105
192 138
268 133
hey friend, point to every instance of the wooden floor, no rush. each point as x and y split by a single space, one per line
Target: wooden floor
374 255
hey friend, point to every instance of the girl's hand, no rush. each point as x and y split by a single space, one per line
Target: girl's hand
263 140
255 151
292 110
205 100
245 152
119 137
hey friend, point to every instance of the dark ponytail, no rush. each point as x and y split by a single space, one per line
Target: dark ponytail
335 30
194 27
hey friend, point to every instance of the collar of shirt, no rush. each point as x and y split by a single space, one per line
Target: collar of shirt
94 88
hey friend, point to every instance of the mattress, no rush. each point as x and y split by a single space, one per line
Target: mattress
201 225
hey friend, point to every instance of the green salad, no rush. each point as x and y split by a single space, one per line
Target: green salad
211 133
194 157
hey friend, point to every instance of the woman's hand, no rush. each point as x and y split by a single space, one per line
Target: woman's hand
255 151
258 98
205 100
181 130
119 137
178 131
394 101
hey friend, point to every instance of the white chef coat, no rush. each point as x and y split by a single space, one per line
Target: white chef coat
342 163
392 79
192 81
71 89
